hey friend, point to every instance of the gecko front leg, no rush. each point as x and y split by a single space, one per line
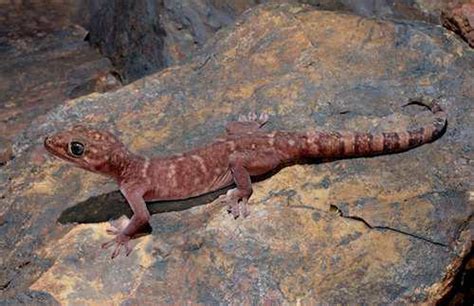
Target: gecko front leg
127 229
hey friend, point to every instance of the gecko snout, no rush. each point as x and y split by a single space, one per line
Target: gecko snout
48 142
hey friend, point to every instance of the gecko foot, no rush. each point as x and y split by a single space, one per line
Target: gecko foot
253 117
116 226
120 241
235 205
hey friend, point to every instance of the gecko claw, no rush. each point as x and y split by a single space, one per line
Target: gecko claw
234 210
244 209
112 231
120 242
253 117
235 206
238 208
108 244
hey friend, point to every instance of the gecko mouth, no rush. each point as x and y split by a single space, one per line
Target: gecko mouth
48 144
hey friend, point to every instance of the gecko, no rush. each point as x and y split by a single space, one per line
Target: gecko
245 151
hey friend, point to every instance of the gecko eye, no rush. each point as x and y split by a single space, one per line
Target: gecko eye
76 148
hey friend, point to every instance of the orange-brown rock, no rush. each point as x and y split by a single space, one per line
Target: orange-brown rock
460 19
390 229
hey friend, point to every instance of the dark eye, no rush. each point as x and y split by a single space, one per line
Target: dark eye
76 148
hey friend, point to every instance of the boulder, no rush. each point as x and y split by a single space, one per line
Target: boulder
387 229
460 19
45 61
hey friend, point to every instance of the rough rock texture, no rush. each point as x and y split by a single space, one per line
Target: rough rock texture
455 15
460 19
389 229
190 23
144 36
45 61
6 151
426 10
153 34
130 34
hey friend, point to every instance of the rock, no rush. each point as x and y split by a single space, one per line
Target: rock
425 10
6 151
135 43
44 62
460 20
151 34
390 229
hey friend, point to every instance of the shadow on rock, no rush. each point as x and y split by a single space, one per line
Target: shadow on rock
113 205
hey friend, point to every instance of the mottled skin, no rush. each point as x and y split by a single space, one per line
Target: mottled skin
245 151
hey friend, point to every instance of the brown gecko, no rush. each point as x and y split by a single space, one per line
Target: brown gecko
245 151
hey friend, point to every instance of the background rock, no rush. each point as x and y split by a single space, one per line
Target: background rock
390 229
154 34
460 19
45 61
6 151
139 38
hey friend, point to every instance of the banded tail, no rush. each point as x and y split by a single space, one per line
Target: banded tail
350 144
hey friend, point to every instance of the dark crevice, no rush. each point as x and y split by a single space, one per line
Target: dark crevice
379 227
23 264
304 207
462 291
6 285
463 226
205 62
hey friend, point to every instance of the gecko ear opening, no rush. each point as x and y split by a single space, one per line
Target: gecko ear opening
76 148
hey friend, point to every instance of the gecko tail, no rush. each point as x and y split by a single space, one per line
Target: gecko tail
350 144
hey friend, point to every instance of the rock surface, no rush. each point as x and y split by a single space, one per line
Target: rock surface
390 229
460 19
139 38
153 34
6 151
45 61
131 35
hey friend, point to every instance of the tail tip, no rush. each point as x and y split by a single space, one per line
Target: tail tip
435 107
430 103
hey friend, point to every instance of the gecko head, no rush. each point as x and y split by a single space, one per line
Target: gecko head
86 147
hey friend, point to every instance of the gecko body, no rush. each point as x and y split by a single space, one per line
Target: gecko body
245 151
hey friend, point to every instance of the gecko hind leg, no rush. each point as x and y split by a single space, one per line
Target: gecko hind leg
240 163
245 124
